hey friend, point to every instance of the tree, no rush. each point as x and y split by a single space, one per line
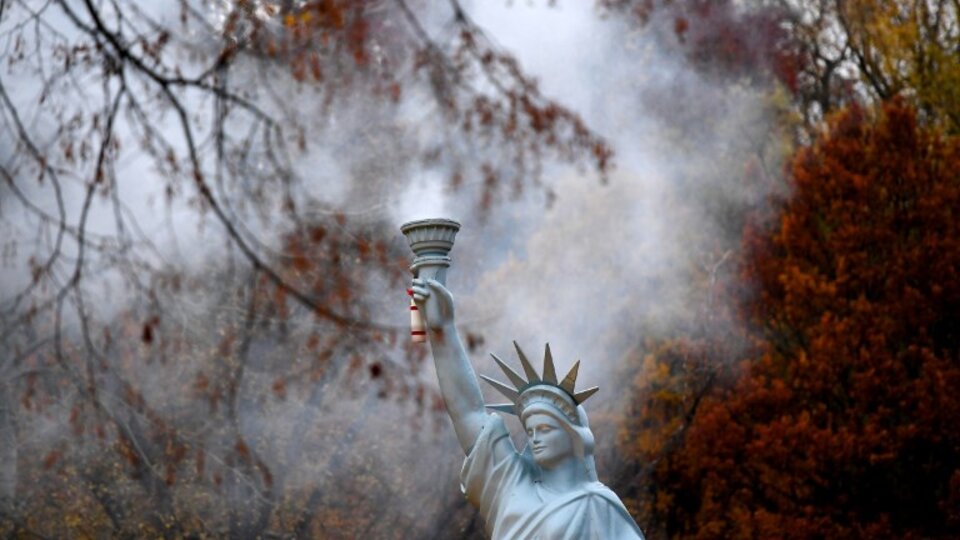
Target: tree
723 38
827 54
822 56
162 371
907 48
839 425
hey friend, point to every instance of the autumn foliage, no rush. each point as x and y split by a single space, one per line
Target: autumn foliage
843 422
246 391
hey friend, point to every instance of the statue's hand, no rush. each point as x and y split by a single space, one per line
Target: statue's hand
434 302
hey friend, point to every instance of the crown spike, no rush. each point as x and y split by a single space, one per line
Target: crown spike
570 381
580 397
514 377
549 371
508 408
532 376
510 393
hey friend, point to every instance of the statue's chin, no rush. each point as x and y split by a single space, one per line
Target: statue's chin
548 461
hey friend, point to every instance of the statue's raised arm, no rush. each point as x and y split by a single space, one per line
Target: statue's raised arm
458 382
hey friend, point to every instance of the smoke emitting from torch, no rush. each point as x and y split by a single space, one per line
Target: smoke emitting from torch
431 241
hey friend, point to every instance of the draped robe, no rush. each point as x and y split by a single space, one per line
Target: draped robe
505 486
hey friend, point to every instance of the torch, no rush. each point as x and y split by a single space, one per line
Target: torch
431 241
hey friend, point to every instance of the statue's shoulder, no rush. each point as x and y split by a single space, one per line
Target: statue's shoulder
600 493
621 524
492 443
591 511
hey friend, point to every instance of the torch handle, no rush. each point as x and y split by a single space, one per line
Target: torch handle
418 331
426 272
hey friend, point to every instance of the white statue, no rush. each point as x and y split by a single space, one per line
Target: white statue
549 491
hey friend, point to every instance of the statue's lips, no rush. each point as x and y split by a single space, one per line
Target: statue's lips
538 449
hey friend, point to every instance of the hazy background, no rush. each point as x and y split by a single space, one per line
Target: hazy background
591 266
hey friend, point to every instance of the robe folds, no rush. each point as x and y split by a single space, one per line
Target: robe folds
505 486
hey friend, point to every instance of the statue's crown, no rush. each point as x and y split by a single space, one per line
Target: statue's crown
536 388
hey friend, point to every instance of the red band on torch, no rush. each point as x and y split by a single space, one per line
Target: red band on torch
418 333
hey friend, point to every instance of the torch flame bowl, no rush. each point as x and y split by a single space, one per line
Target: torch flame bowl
431 241
430 236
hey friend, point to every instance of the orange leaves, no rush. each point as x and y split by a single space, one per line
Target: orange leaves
832 430
320 33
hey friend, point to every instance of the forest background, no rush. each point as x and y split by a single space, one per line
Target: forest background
741 216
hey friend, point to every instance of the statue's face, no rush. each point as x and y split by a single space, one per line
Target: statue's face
549 442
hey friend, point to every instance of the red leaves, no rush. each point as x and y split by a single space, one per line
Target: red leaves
726 38
838 427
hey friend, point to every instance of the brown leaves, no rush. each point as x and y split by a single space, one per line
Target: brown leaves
52 458
279 387
147 335
241 448
125 447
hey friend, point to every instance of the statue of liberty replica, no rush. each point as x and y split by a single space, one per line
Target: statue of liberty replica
547 491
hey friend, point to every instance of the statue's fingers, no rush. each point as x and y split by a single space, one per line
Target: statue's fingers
420 294
437 286
417 282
